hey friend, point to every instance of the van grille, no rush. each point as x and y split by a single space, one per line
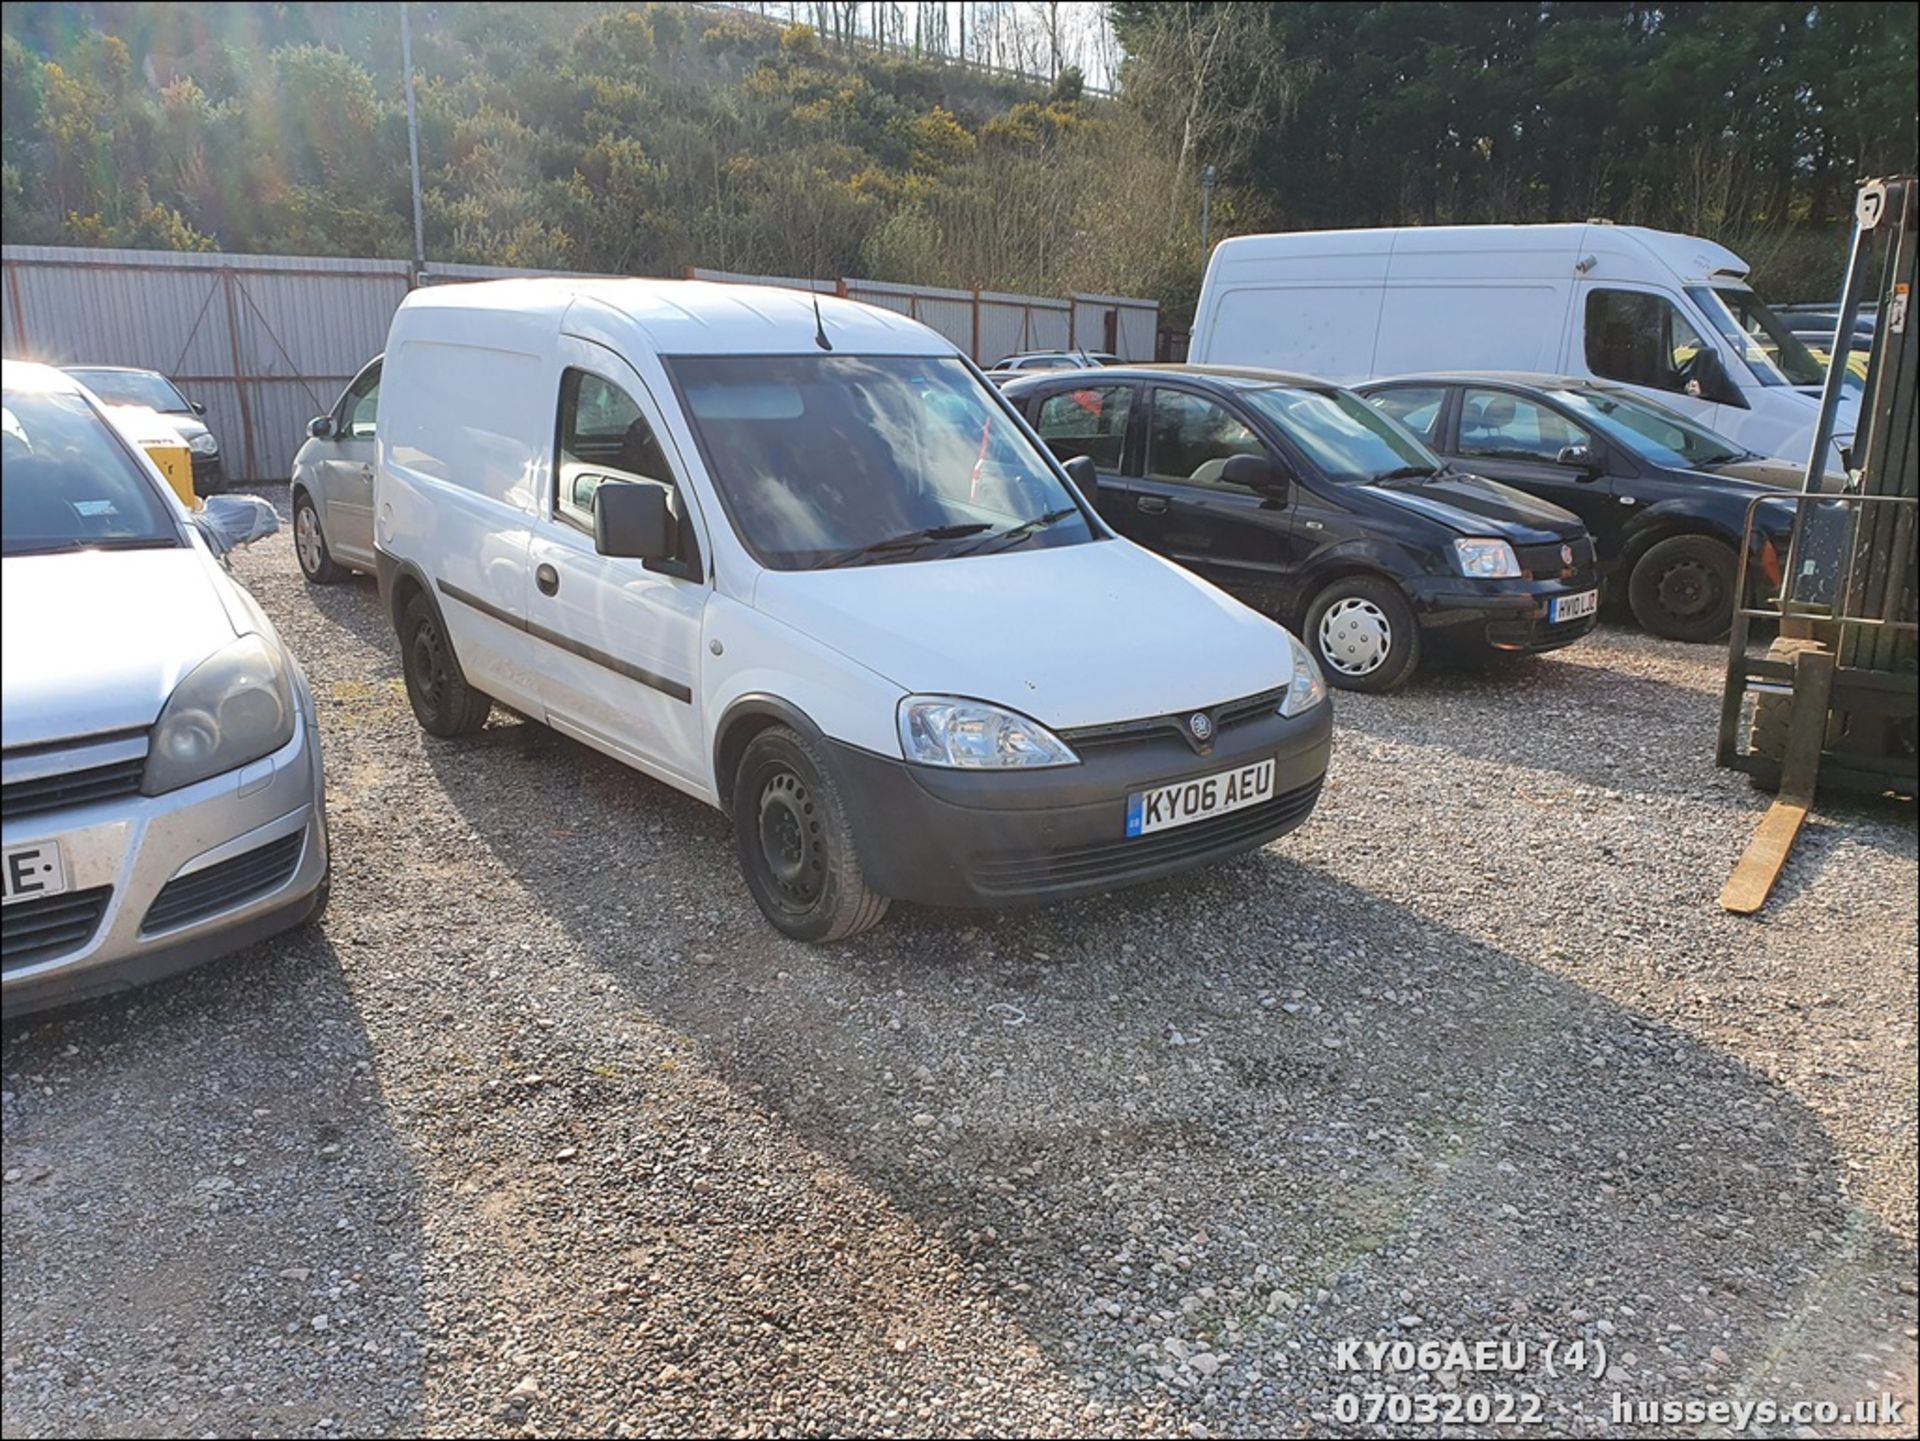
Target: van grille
1225 716
222 886
49 926
1119 861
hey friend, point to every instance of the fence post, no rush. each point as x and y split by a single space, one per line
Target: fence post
976 323
19 315
229 280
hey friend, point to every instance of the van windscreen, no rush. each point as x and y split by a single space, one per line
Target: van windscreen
859 460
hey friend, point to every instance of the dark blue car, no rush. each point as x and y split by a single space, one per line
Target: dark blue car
1664 498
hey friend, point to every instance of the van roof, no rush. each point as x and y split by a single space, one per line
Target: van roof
687 317
1690 257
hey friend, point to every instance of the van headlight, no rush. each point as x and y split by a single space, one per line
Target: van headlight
1309 687
939 730
234 707
1486 558
204 444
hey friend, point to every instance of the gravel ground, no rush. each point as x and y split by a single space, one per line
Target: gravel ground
544 1131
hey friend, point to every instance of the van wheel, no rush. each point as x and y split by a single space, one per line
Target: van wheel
1682 588
1364 634
443 702
310 546
796 846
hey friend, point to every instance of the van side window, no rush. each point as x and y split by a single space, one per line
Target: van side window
1191 439
603 436
360 406
1088 420
1417 407
1639 338
1510 427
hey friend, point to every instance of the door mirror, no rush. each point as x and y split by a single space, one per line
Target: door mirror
1083 473
1704 377
198 407
320 427
1579 457
635 519
1255 472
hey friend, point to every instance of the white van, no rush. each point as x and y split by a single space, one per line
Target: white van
800 560
1670 315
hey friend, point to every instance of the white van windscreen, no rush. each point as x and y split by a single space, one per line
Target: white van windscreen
835 460
1774 354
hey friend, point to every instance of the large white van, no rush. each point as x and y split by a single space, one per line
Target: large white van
1670 315
799 559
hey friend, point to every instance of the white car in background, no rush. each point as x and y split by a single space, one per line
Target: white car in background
164 798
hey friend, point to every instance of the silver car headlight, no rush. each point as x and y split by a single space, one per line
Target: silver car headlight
204 444
235 706
1309 687
1484 558
939 730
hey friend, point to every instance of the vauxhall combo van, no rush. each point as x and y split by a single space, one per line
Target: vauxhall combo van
796 557
1669 315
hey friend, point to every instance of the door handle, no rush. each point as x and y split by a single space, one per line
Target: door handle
547 578
1152 504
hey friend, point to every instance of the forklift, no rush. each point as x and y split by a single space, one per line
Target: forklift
1834 698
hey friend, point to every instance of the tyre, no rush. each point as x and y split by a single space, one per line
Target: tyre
310 545
1772 714
1364 634
443 702
1682 588
795 843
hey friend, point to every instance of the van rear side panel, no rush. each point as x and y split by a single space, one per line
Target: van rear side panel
464 454
1314 330
1470 327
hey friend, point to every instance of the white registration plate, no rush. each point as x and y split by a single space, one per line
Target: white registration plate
1184 802
33 871
1572 607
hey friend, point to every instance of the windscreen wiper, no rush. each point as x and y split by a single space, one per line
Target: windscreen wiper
1013 535
1409 472
912 540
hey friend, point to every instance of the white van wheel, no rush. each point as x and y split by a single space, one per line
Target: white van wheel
795 844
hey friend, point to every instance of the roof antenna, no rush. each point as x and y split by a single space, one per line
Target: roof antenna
819 327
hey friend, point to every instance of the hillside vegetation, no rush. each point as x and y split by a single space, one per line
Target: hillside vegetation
643 139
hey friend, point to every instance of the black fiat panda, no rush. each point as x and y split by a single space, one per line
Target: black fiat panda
1306 502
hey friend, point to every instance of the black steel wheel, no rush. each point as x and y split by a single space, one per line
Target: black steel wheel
796 846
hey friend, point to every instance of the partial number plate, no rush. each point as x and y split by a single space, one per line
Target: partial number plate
1572 607
1185 802
33 871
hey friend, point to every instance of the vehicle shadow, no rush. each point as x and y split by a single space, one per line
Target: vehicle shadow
210 1224
1241 1116
353 605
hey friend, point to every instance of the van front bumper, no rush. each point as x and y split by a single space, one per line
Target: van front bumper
998 838
158 884
1504 615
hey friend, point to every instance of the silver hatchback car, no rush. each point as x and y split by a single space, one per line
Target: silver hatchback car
164 798
333 484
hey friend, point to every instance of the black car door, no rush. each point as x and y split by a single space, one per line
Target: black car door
1235 537
1097 420
1517 438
